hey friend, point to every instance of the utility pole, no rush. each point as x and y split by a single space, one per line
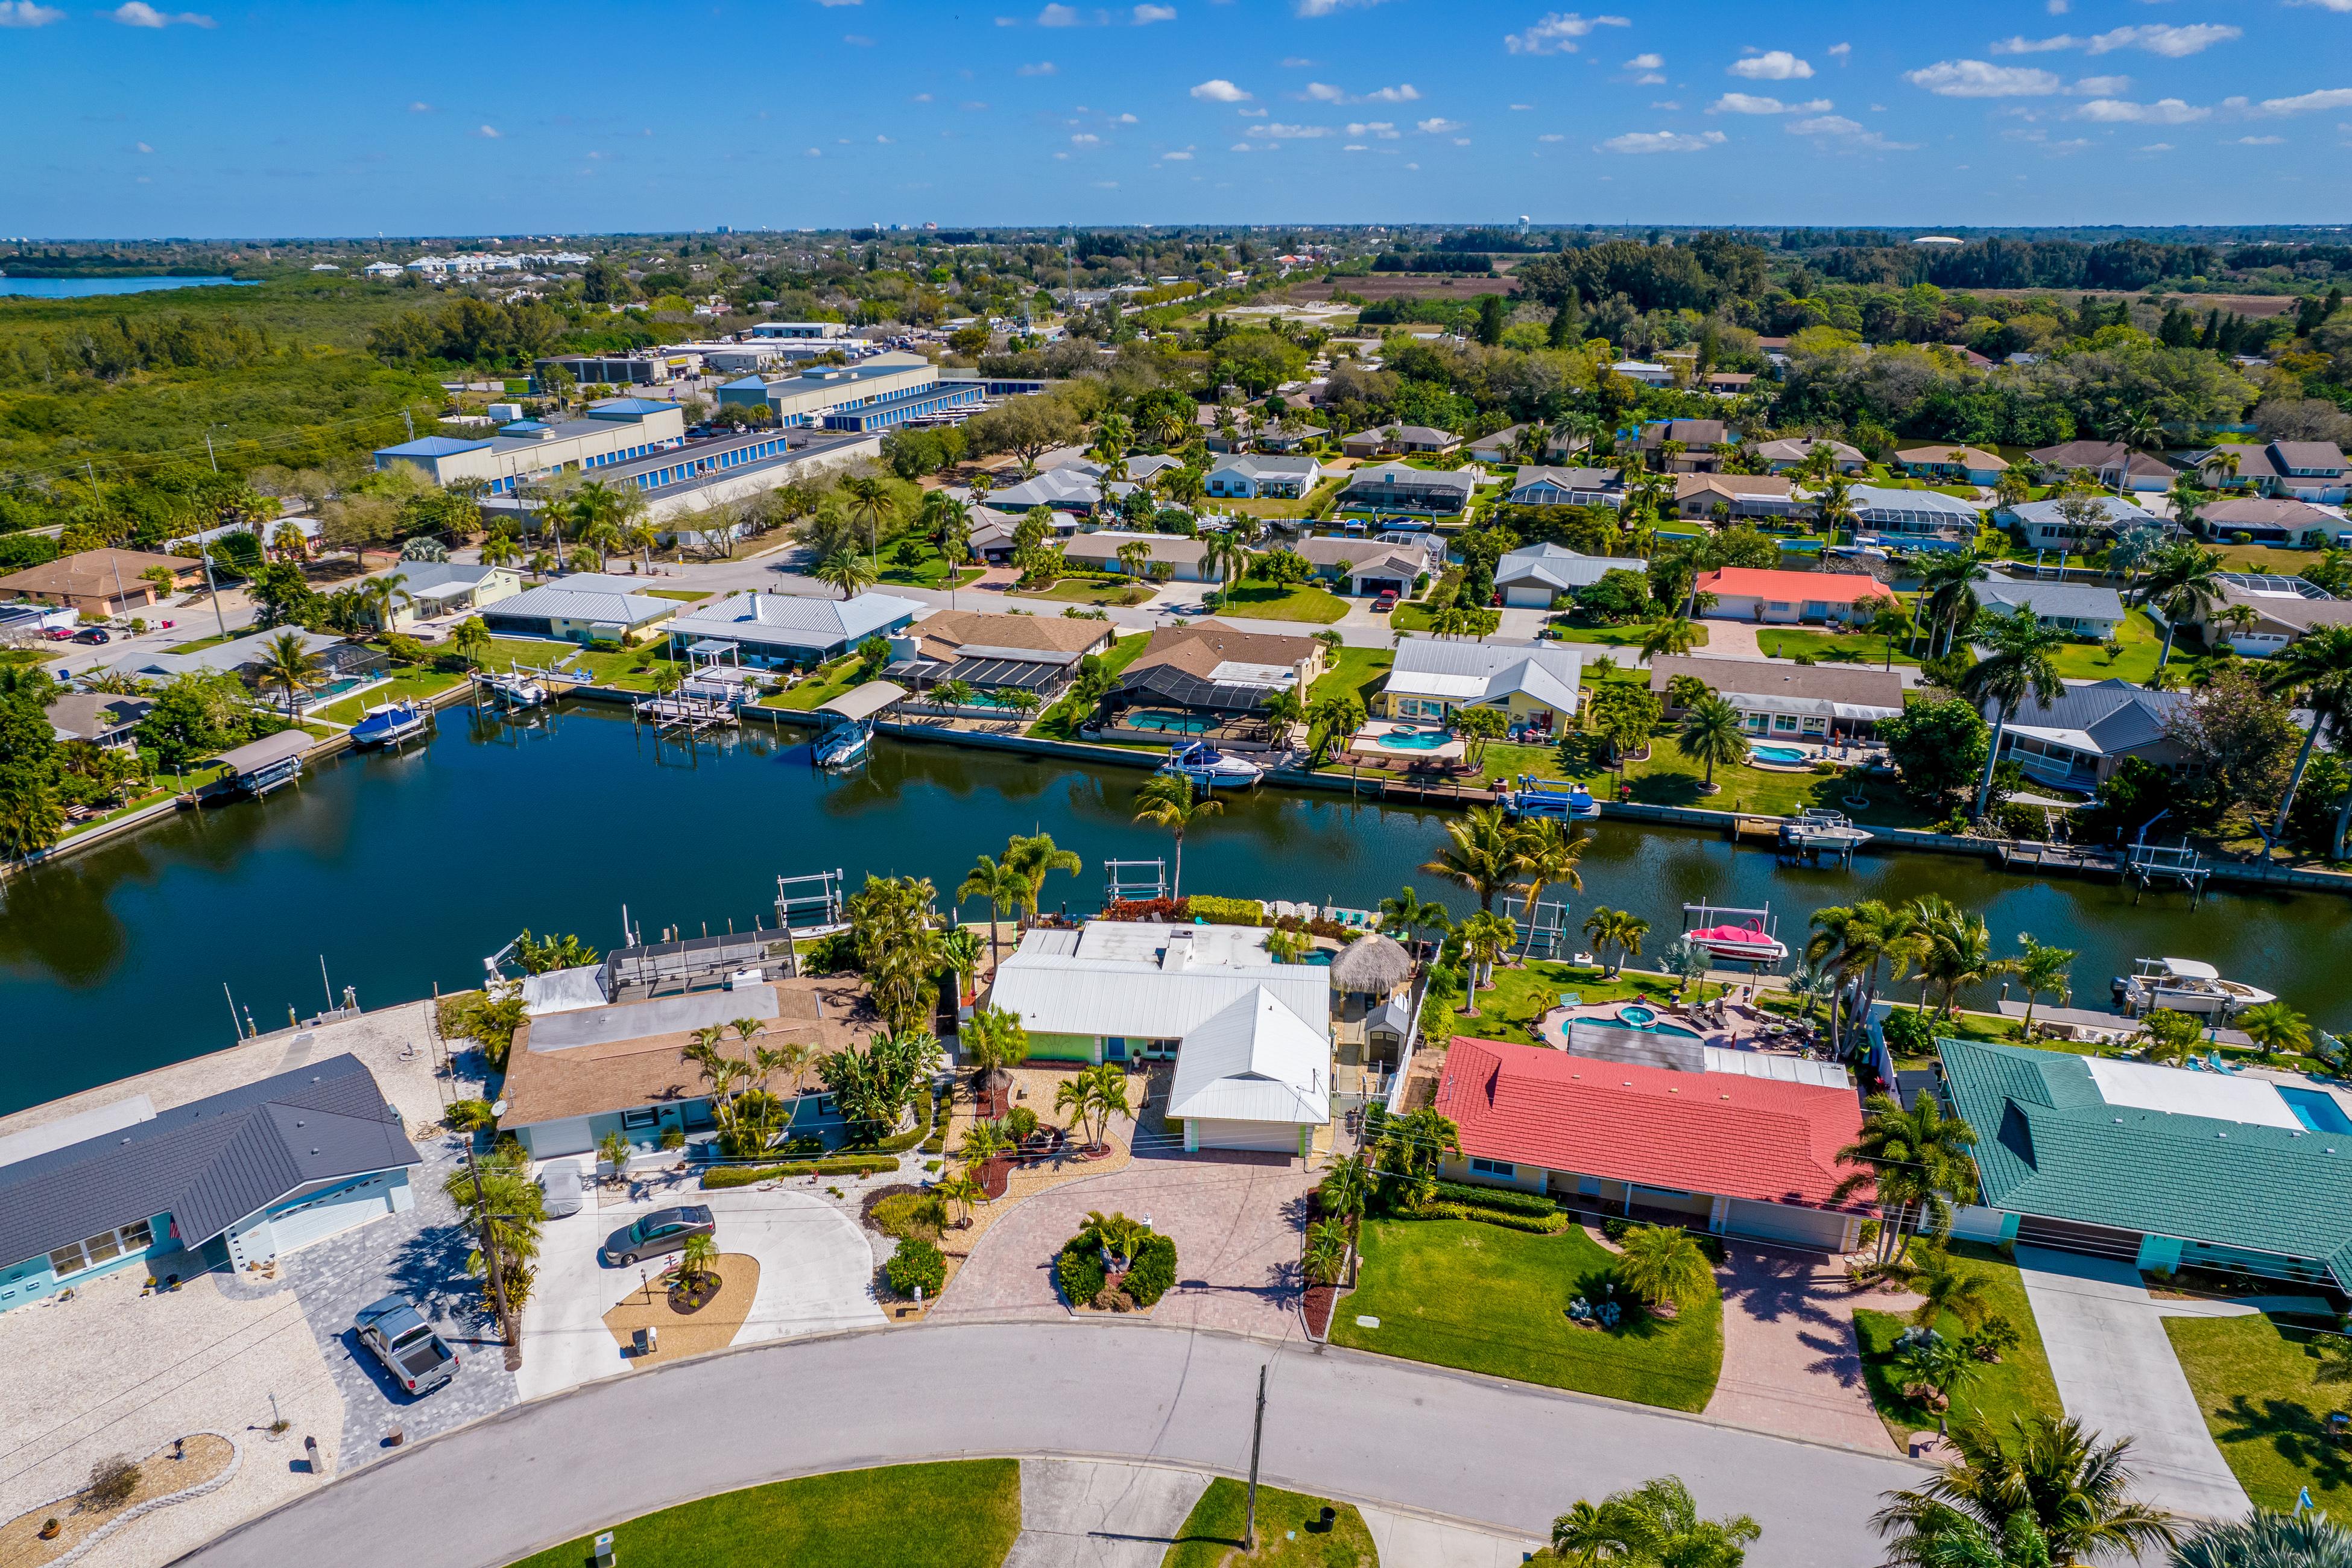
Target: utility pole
411 423
1257 1436
205 555
209 454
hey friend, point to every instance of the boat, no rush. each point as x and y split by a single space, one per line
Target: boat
1822 828
1748 943
518 690
1551 797
2184 986
390 724
1205 764
843 746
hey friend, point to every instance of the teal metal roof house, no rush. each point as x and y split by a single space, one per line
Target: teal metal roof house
2162 1167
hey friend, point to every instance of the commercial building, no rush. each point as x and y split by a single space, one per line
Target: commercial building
1250 1037
790 631
588 607
829 330
103 583
598 370
1784 701
1750 594
878 394
232 1180
615 431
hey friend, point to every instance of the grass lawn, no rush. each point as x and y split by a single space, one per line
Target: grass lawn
1669 778
1831 647
1273 601
407 681
2018 1384
1508 1010
166 786
2265 558
960 1515
1412 617
212 641
614 669
929 570
1455 1292
2254 1384
1628 635
1288 1532
1060 723
690 595
1090 591
831 681
1356 670
2142 643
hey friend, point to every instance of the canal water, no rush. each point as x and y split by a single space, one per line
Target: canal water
402 871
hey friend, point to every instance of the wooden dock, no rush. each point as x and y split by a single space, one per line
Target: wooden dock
2061 858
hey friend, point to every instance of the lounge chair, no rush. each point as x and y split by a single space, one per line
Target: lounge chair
2213 1060
1571 999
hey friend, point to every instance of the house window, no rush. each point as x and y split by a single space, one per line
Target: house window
1502 1170
643 1120
105 1247
1784 721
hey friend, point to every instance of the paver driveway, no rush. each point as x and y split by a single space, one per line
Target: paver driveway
1790 1361
1236 1221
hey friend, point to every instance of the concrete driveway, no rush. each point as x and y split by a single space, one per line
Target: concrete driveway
1235 1222
816 1275
2116 1374
1790 1361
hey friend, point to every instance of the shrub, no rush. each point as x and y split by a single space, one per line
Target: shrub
468 1115
1153 1271
1616 1228
917 1265
1908 1033
1227 912
672 1137
1506 1198
746 1176
1867 1236
1079 1272
1540 1225
112 1482
910 1214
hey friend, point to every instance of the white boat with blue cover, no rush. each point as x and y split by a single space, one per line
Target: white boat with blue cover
390 724
1551 797
843 746
1205 764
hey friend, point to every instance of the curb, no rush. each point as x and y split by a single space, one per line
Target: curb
235 1462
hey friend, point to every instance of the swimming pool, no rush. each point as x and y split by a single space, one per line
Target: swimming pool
2317 1108
1780 756
1635 1017
1169 724
1411 740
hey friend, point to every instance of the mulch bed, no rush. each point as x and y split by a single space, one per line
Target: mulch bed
992 1101
1320 1302
685 1303
865 1209
994 1175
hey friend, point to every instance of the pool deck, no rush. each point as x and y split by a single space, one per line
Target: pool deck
1740 1029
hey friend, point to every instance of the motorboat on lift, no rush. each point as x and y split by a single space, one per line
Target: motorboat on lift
1551 797
1748 943
2184 986
1821 828
1206 766
843 746
390 724
518 690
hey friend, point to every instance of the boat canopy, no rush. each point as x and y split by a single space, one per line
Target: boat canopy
2192 969
863 702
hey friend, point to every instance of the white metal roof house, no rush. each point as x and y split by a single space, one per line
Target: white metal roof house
1529 578
1251 1038
588 607
1433 677
792 630
1252 477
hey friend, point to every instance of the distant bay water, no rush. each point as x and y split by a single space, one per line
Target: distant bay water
81 288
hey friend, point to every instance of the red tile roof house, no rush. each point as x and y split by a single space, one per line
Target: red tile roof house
1748 594
1718 1150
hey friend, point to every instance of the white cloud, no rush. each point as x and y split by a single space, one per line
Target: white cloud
2258 142
1324 92
1552 136
1841 52
1085 138
2021 45
1057 16
840 2
2118 112
2328 4
1278 132
1328 7
2057 7
972 104
1239 147
1296 62
1557 33
1043 68
921 98
1645 62
2172 43
1772 65
1522 106
1147 15
420 108
1184 157
1252 113
141 147
1976 79
1127 119
1381 129
24 13
1661 141
1440 126
2100 86
2326 98
813 152
1217 89
1752 103
1355 147
857 40
1668 105
138 14
880 141
487 132
1106 185
1847 134
2155 147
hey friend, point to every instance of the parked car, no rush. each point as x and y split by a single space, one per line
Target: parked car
663 1230
1385 600
561 1184
419 1359
94 635
58 634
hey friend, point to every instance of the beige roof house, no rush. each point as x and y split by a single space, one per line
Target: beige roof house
103 582
959 634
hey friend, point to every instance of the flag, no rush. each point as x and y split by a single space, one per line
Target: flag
2302 1500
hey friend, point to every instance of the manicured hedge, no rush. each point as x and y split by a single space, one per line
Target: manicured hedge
1226 911
1079 1272
1550 1223
916 1263
745 1175
1153 1271
1506 1198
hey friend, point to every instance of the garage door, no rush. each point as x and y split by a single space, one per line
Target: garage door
550 1139
330 1214
1528 598
1779 1221
1281 1137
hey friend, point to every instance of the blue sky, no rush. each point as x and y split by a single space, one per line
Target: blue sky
338 118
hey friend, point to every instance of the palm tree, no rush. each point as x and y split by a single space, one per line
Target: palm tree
1663 1264
2042 970
1478 855
695 1258
1835 504
287 664
1619 929
1954 951
1947 593
1711 734
380 593
500 549
962 1192
2075 1489
1002 884
1486 938
1346 1190
1281 710
2264 1539
2022 664
1340 713
1656 1522
870 501
1170 801
1946 1287
1324 1257
846 570
1914 1161
1034 858
2318 664
2183 581
993 1041
1225 556
1546 855
1671 635
471 640
1889 619
2274 1027
1409 914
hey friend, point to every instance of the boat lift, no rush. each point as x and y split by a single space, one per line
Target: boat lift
2166 866
1135 881
1704 917
1547 928
808 906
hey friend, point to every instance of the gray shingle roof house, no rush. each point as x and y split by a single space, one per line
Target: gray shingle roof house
1406 487
2083 608
1530 577
1568 486
240 1176
792 629
2267 519
2046 528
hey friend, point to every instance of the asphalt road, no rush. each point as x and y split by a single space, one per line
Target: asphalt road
1339 1423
